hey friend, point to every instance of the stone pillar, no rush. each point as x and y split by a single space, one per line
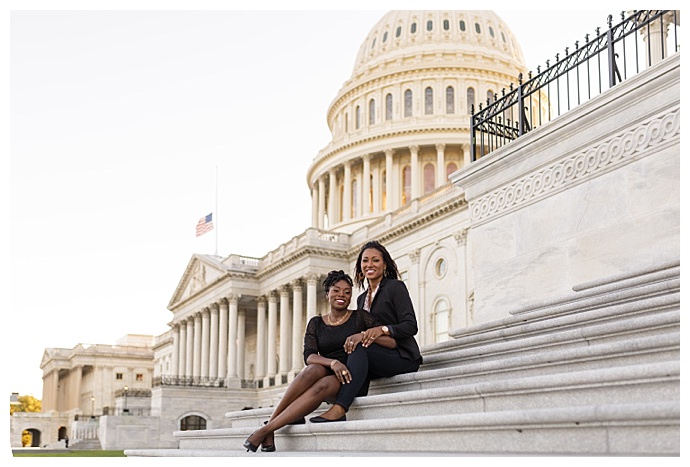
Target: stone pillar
332 199
312 283
440 165
315 205
466 150
376 190
322 202
284 358
347 191
297 327
222 338
205 342
272 334
414 164
213 347
260 338
232 335
391 203
182 365
175 349
241 320
366 185
196 371
189 357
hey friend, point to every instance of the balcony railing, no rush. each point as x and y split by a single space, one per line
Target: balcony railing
637 42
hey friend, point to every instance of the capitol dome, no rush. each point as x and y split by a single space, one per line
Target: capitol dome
400 123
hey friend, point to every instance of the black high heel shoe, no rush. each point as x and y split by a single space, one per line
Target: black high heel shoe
270 447
249 446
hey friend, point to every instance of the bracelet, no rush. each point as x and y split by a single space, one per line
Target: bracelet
332 362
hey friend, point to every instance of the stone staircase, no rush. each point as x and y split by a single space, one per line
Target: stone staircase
86 445
597 373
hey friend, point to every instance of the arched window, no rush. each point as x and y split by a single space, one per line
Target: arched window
383 190
372 112
408 103
477 28
373 43
354 208
470 100
450 100
462 25
192 422
385 37
491 31
347 121
446 25
441 321
429 178
370 201
450 168
341 200
407 184
490 96
428 101
358 113
389 106
413 28
398 31
429 25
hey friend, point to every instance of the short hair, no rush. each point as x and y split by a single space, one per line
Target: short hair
336 276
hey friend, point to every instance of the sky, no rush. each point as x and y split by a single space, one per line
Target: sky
130 122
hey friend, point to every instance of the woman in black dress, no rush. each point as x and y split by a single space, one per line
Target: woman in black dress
325 358
388 302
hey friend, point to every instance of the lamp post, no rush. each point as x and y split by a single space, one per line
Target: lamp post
126 410
93 400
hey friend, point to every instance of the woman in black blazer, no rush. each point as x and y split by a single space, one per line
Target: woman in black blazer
389 303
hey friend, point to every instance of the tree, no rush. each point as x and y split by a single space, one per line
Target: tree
25 404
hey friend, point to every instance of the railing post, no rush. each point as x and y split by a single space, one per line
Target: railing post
611 53
473 136
520 106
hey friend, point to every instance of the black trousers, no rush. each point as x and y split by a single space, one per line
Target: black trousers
370 363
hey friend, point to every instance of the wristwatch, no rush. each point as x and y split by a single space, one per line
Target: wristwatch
385 330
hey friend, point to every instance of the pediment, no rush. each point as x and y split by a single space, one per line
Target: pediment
201 271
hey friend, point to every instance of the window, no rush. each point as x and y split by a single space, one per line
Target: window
383 190
491 31
429 101
372 112
408 103
347 120
440 268
477 28
341 200
358 113
353 207
192 422
429 25
429 178
385 37
398 31
140 377
446 25
441 321
373 43
470 100
413 28
503 36
389 106
450 168
450 100
490 96
407 184
462 25
118 376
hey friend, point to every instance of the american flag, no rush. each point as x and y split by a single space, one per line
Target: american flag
204 225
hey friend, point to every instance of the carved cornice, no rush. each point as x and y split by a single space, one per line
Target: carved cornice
298 255
575 169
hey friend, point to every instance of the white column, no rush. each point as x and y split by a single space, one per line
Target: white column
196 371
222 338
391 203
260 338
376 189
232 336
175 349
272 334
466 150
284 358
440 165
347 191
332 199
312 283
241 320
189 358
182 365
315 205
297 327
414 164
213 347
322 202
366 184
205 342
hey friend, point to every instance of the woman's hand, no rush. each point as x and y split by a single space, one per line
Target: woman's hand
352 342
342 373
370 335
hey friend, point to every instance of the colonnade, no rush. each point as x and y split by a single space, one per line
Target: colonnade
380 184
209 345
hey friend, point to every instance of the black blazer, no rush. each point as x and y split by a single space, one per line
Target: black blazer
392 307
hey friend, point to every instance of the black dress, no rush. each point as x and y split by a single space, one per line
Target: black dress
327 341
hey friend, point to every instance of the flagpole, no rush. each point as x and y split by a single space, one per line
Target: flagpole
216 229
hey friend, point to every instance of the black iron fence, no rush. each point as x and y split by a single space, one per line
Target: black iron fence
638 41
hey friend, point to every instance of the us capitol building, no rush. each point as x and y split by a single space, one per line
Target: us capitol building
400 128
